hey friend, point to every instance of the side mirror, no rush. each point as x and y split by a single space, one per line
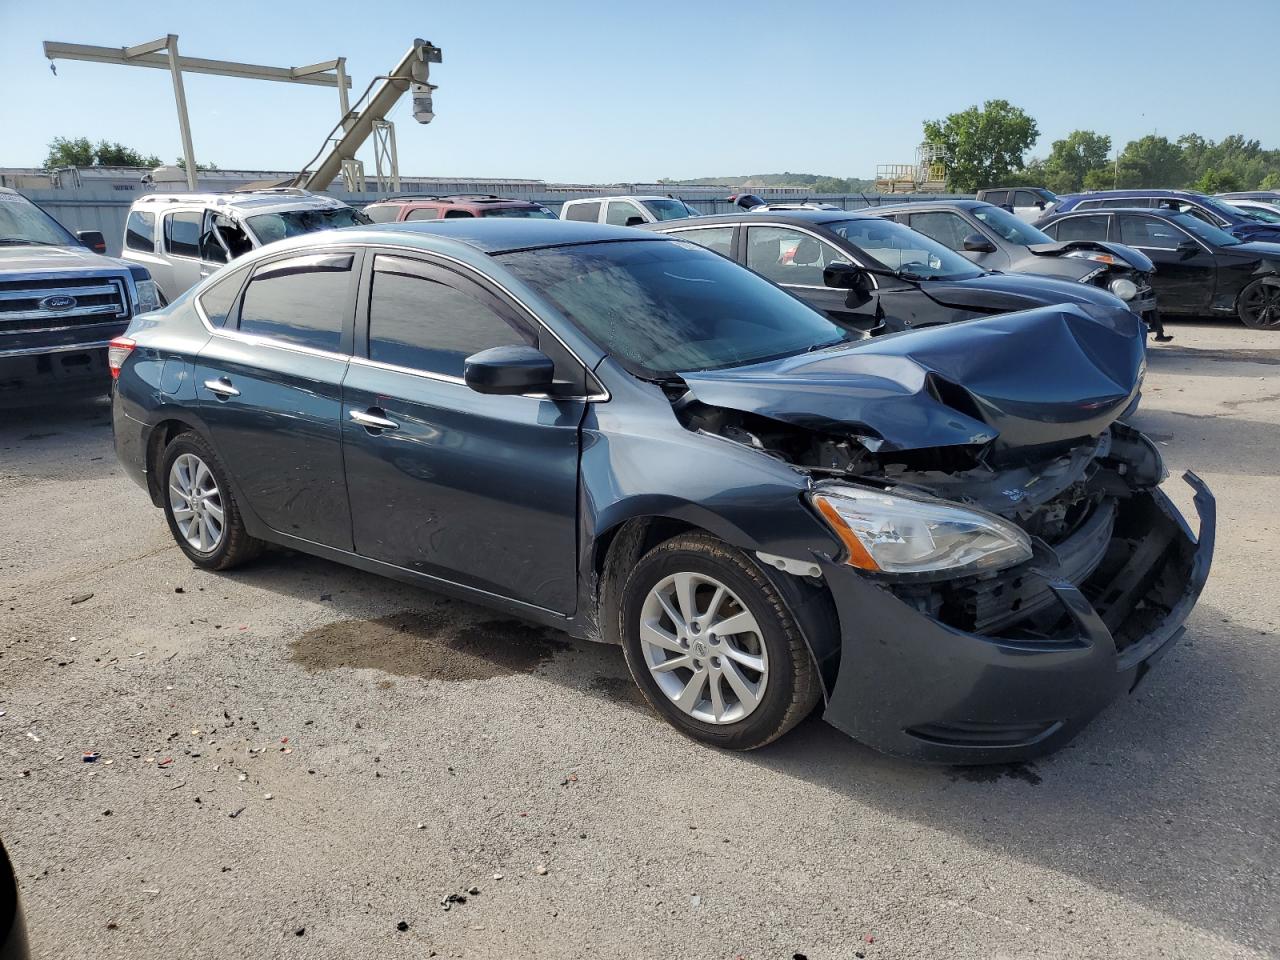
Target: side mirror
1040 204
977 243
509 371
93 239
1188 248
845 276
634 221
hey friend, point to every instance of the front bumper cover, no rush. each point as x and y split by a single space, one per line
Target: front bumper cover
912 686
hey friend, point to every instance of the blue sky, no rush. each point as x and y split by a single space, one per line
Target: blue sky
601 91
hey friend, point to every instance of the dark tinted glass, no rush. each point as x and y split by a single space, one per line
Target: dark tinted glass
995 196
217 300
301 301
1149 232
455 214
1025 198
661 307
421 323
182 233
140 231
1082 228
584 211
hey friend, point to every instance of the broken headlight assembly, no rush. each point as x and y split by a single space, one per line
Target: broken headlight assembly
893 534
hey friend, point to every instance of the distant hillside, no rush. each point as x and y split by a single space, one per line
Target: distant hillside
818 183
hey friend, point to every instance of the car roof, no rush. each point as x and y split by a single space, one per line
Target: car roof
1095 212
254 201
961 204
619 196
460 199
799 217
1131 192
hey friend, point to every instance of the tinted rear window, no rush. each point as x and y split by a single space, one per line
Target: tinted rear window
583 211
302 300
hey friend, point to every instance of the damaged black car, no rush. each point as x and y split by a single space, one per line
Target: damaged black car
946 540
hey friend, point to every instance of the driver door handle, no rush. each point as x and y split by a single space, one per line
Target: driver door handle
372 421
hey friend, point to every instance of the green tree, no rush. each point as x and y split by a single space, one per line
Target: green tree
81 153
69 153
182 162
984 145
1073 158
118 155
1215 181
1103 178
1152 161
1271 181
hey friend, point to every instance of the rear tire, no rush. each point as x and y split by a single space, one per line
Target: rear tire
201 509
1259 306
712 646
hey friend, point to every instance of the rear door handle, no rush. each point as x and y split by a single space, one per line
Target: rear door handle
222 387
372 421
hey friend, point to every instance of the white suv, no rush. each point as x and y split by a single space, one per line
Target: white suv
626 211
183 237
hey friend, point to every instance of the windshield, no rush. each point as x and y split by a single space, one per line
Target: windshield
661 307
1266 214
537 213
269 227
1010 227
1205 231
903 250
1224 210
669 209
22 222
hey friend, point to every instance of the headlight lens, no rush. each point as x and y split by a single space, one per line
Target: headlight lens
1095 255
148 295
889 533
1124 288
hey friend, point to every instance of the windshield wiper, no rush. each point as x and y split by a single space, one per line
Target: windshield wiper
25 241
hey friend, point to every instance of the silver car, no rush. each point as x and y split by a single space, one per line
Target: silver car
184 237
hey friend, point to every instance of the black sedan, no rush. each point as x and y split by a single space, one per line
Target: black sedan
946 537
903 279
1200 270
995 239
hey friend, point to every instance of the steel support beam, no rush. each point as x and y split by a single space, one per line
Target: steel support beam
153 55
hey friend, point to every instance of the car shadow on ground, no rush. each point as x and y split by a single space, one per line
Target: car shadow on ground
1167 776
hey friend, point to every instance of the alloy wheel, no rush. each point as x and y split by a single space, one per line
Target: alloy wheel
1261 306
196 503
703 648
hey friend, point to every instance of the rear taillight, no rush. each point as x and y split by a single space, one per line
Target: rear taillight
118 351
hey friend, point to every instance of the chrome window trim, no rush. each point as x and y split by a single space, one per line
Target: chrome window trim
268 341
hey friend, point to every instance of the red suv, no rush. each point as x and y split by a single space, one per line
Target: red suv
455 205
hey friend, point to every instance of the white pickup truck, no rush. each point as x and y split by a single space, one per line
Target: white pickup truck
626 211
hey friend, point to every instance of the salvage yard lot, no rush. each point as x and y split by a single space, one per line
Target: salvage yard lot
296 758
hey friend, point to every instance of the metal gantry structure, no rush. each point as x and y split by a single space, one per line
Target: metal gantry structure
356 126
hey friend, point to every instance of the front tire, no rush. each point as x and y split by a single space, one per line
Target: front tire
1259 306
201 509
712 646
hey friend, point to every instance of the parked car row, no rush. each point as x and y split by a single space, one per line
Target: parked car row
632 438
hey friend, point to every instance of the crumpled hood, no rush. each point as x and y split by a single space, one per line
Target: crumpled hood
1020 379
25 259
1266 232
1136 259
1003 292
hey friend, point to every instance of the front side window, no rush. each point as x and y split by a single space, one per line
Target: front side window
663 306
789 256
300 300
1006 225
719 239
270 227
421 319
1090 227
423 213
1025 198
949 229
140 231
182 233
620 211
909 253
589 212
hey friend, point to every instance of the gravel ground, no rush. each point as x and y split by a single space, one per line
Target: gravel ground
301 760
